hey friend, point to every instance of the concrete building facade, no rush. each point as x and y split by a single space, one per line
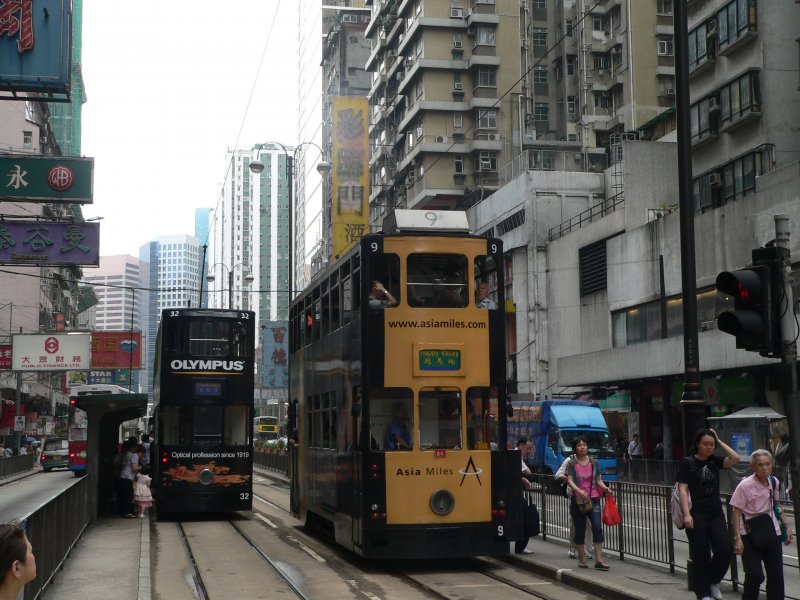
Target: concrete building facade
116 284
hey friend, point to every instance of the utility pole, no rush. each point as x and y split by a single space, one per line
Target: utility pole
789 353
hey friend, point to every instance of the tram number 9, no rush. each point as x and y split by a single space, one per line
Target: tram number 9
244 496
500 531
374 246
492 248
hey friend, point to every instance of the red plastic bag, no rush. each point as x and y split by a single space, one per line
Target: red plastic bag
611 514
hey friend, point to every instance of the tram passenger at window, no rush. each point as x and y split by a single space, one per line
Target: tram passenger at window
482 299
450 293
397 435
380 298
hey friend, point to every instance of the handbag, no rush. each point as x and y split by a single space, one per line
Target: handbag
530 518
761 531
777 510
675 507
611 514
584 505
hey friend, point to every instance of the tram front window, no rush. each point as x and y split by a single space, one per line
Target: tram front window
437 280
440 419
202 425
208 338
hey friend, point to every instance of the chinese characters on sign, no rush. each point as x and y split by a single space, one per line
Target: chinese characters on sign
116 350
5 358
350 178
16 19
64 352
45 243
275 362
30 178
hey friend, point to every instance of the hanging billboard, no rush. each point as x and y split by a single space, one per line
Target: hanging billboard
349 172
27 178
35 46
116 350
44 243
5 357
62 352
275 360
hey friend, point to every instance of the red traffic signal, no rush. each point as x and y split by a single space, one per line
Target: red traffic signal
752 321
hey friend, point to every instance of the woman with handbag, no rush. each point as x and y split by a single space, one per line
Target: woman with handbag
698 478
760 527
587 487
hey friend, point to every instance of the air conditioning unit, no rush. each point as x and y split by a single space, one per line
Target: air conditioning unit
493 137
457 44
458 86
457 13
412 175
670 91
441 139
713 105
485 165
715 179
392 54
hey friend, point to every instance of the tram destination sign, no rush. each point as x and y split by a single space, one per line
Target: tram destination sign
44 243
25 178
440 360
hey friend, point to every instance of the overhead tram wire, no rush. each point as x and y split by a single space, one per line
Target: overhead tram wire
494 105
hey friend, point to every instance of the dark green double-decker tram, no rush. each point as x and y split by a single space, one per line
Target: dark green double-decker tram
203 411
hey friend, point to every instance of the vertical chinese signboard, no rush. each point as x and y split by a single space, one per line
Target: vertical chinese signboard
275 345
5 358
349 172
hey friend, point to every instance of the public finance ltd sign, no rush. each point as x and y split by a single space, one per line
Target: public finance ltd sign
26 178
64 352
44 243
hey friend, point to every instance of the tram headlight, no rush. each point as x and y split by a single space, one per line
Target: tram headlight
374 507
206 477
442 502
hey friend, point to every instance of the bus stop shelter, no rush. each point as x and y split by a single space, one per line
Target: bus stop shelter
105 413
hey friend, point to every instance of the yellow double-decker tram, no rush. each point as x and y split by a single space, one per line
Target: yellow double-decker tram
397 373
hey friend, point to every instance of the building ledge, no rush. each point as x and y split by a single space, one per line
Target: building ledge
753 115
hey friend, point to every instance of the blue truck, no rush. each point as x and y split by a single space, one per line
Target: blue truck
552 424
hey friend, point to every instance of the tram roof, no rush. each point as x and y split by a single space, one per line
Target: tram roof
426 221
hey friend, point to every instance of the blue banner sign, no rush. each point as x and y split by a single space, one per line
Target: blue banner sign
35 45
275 344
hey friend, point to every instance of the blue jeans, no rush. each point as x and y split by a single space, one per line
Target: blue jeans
579 520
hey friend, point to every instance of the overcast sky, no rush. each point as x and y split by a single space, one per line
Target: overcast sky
168 84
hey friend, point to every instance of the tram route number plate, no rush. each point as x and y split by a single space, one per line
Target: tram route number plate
439 360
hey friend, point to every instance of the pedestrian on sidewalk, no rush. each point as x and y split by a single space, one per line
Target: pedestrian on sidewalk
757 495
585 481
520 546
698 478
17 563
635 457
142 498
129 466
561 477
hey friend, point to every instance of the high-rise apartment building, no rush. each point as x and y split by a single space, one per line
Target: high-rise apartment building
116 284
231 236
170 271
446 101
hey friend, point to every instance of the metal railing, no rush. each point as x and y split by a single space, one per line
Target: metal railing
53 529
598 211
274 461
646 531
14 465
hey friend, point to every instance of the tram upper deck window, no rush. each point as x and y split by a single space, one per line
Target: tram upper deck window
437 280
208 338
440 418
485 277
384 274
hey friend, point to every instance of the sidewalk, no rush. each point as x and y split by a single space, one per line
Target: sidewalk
111 560
627 580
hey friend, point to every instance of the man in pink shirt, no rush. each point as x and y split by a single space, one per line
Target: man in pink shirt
755 495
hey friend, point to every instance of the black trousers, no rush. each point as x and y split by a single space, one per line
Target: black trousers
124 496
772 558
710 551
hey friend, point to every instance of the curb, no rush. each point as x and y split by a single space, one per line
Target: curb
145 584
611 591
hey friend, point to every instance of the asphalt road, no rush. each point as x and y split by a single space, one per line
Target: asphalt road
23 496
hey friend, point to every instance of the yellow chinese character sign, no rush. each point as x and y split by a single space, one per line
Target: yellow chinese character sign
349 172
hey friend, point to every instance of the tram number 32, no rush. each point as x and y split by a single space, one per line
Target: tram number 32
244 496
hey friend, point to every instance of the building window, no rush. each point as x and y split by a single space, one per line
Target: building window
664 7
458 165
602 62
541 111
601 23
559 71
571 104
602 100
570 26
487 77
701 48
27 138
540 75
539 36
485 36
592 266
418 46
458 120
665 47
739 98
734 20
457 41
486 161
487 118
703 123
572 64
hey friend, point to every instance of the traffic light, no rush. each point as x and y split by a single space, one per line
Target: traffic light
755 320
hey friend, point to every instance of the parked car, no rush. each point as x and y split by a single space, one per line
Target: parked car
55 453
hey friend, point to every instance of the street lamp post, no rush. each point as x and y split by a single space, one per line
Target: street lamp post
248 279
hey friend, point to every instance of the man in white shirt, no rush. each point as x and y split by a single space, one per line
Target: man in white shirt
635 455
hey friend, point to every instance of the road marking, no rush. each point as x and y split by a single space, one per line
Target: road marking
307 550
266 520
354 584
